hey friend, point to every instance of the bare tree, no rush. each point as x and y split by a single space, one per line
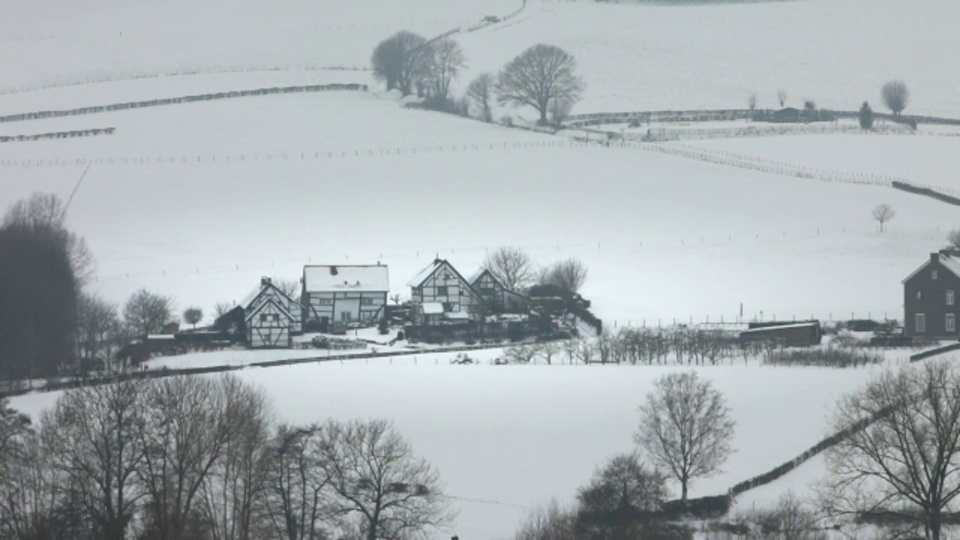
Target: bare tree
379 483
953 239
521 353
192 316
540 75
289 287
685 427
185 432
46 211
445 60
512 266
782 97
396 298
569 274
752 103
550 522
548 350
234 490
900 452
883 213
790 520
895 96
146 312
621 500
399 61
93 434
480 93
28 485
296 505
98 326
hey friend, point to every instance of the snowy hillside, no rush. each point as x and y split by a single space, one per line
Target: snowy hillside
651 57
506 438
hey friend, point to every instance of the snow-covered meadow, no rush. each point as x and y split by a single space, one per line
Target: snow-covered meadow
198 201
507 438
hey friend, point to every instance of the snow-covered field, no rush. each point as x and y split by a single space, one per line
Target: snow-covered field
198 201
665 238
506 438
651 57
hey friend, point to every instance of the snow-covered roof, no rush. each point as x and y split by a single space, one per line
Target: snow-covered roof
359 278
264 284
949 261
457 315
432 308
283 309
780 327
422 276
476 275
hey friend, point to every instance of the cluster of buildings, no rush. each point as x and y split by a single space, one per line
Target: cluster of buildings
443 305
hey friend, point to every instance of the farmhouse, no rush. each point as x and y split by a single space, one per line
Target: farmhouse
343 294
930 297
440 294
497 297
270 317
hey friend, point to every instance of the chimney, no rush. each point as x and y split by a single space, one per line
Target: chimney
333 270
265 281
935 257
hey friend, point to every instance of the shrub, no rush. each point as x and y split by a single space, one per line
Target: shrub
831 357
702 508
506 120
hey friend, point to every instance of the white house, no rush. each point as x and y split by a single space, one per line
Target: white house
270 317
340 294
439 293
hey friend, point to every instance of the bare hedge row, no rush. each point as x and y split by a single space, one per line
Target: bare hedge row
704 115
57 135
37 115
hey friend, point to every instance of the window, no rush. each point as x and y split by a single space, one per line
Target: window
441 291
950 324
919 295
346 316
920 323
949 297
933 274
269 317
326 302
366 301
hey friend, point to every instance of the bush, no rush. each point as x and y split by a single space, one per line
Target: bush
831 357
702 508
905 121
506 120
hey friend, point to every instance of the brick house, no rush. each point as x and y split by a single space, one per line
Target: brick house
930 297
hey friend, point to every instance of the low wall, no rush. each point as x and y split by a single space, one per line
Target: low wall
719 115
934 352
57 135
926 191
38 115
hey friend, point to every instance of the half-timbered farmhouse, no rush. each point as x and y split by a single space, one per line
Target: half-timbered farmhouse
342 294
270 317
930 297
497 297
440 294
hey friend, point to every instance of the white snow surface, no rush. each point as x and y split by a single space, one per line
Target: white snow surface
507 438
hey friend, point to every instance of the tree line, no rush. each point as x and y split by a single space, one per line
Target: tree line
202 458
542 77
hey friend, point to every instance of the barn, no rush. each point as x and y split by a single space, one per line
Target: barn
271 317
496 296
792 334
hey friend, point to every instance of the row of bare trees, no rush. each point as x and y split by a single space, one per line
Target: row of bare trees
517 270
201 458
541 77
677 345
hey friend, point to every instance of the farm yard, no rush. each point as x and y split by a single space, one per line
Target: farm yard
198 201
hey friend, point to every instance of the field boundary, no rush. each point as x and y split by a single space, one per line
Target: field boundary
58 135
159 373
40 115
934 352
719 115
